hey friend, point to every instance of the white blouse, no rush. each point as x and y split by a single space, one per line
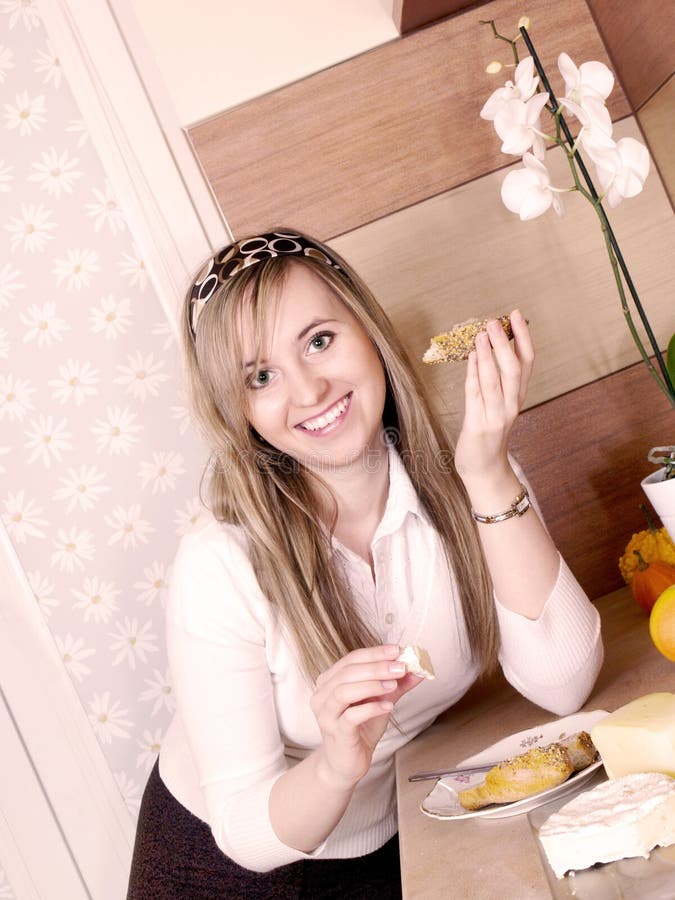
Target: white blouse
243 713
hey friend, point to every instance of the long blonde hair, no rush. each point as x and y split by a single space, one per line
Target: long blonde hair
271 497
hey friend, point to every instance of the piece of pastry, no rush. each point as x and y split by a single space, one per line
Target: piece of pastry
460 340
521 776
417 661
581 749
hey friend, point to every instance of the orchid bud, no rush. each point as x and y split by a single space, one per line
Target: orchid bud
494 67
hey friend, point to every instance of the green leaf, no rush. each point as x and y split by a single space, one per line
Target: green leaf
670 359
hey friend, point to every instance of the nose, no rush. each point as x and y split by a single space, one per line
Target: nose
308 386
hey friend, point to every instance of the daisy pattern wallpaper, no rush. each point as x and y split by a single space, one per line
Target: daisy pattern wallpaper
99 462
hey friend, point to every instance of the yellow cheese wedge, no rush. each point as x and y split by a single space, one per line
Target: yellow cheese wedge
638 737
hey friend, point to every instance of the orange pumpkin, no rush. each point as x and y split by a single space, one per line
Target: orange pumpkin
650 581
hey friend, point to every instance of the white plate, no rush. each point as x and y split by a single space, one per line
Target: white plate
442 802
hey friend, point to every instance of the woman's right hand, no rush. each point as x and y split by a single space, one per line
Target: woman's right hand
352 703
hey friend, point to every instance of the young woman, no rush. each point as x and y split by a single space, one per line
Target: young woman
344 527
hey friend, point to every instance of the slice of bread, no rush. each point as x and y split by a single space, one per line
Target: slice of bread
417 661
460 340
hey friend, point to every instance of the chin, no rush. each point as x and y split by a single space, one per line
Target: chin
337 459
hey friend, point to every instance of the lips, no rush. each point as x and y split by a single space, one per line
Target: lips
331 415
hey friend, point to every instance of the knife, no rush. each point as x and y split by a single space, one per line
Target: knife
439 773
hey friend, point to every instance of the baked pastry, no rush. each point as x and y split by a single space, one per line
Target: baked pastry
536 770
417 661
521 776
460 340
581 749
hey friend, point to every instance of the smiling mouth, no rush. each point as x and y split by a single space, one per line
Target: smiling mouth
329 417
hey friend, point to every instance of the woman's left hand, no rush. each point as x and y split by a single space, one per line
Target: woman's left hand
496 383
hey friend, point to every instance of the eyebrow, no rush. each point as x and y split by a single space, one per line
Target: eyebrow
313 324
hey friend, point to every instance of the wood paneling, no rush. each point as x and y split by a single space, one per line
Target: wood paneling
640 38
463 254
382 131
411 14
657 119
585 453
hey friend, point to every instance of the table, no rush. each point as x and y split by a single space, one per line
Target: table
498 859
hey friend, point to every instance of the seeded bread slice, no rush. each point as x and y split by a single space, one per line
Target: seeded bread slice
460 341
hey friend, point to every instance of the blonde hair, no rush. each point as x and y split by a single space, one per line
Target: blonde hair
271 497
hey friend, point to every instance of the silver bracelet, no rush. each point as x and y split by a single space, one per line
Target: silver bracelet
519 506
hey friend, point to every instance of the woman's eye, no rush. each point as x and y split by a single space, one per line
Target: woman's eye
260 379
320 341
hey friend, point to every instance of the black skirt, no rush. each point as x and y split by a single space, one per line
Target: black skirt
176 858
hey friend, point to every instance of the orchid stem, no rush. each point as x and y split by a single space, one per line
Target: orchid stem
625 308
615 255
570 154
501 37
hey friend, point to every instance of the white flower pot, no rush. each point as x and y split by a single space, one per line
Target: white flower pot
661 495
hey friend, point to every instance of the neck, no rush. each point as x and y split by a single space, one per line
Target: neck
360 491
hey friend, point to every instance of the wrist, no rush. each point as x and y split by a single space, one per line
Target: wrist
518 507
331 780
492 492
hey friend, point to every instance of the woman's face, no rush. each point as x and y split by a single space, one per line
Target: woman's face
318 392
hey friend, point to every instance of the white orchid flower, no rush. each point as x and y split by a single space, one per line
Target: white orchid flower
591 79
529 192
622 171
518 125
596 131
522 87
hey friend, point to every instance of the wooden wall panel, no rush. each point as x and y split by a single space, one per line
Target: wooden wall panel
382 131
657 119
463 254
640 38
586 453
411 14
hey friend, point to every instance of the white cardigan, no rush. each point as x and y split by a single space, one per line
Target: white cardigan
243 713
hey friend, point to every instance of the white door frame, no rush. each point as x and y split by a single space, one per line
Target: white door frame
59 801
35 854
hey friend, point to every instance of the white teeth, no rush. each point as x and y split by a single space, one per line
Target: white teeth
326 418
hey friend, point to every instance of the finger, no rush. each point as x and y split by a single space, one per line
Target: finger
353 694
372 704
524 348
363 671
522 339
356 716
520 329
509 368
362 655
514 360
405 684
329 708
473 399
358 676
489 378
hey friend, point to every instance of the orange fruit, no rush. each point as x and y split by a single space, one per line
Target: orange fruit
662 623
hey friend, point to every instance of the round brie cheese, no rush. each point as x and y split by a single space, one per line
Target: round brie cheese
625 817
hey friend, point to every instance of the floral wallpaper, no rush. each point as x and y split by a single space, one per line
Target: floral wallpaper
99 465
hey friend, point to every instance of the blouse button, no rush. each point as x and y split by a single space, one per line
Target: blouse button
389 618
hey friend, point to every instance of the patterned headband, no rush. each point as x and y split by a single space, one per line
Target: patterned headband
235 257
